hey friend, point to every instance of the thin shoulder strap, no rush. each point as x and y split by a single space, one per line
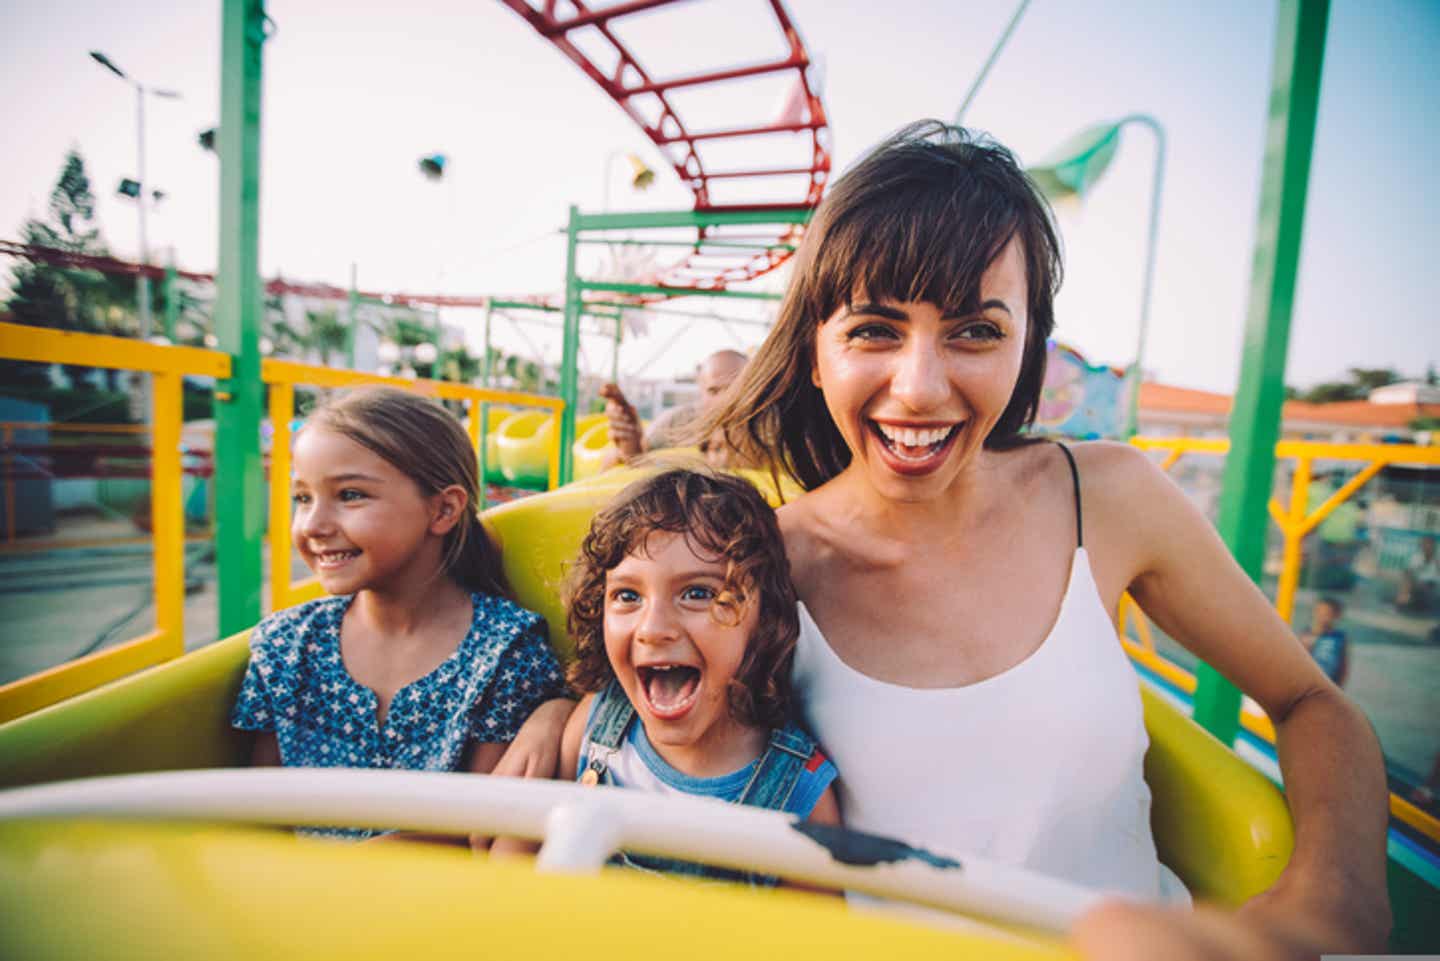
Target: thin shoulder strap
1075 479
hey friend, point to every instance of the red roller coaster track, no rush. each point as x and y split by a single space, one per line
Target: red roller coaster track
631 86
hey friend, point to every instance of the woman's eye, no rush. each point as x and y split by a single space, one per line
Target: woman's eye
696 592
871 332
351 494
298 498
983 331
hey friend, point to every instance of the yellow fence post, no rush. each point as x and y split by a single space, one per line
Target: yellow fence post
1293 529
554 479
282 408
167 518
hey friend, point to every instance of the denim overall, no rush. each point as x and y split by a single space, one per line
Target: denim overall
786 754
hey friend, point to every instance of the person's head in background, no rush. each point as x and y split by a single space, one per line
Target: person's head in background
715 375
1327 612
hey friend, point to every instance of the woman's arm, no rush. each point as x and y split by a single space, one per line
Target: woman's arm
535 749
1333 893
569 753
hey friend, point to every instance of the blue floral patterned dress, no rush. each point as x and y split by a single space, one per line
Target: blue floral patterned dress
297 686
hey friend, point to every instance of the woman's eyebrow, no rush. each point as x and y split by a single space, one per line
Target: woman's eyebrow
984 306
879 310
353 476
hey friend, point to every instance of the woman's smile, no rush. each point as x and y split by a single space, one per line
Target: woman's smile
915 450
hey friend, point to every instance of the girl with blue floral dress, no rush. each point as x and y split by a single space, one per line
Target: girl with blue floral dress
684 622
417 660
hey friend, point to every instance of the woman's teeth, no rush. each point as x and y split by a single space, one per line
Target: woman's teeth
914 443
335 558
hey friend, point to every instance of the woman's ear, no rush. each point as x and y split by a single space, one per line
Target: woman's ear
449 505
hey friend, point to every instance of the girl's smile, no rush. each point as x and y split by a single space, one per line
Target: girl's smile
675 645
359 522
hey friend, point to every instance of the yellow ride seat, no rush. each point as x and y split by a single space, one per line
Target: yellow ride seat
1220 824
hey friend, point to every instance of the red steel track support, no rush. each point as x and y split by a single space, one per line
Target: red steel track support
629 80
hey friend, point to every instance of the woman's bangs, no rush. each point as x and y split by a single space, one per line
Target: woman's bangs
911 249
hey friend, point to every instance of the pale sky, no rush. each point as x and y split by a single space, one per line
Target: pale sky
356 91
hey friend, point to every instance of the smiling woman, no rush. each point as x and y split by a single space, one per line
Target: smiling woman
958 581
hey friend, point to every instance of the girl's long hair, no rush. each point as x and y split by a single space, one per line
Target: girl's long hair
919 218
721 516
425 442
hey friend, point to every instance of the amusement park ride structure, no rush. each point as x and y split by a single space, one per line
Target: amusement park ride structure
732 243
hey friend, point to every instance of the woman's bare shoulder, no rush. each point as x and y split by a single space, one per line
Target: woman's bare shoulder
1114 474
803 532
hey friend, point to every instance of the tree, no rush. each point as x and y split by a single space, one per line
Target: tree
459 365
1362 381
64 298
326 333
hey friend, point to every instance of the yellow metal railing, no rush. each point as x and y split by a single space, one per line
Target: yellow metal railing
1296 522
283 376
167 366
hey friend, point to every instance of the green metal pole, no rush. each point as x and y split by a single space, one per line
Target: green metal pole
1255 419
615 355
570 358
352 318
172 303
239 478
485 408
1137 372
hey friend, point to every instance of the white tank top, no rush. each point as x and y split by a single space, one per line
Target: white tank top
1041 766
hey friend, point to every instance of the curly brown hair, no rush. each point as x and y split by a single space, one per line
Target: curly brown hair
720 515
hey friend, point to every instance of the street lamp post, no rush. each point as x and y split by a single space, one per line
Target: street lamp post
1070 171
143 287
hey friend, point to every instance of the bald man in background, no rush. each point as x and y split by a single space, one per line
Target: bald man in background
714 376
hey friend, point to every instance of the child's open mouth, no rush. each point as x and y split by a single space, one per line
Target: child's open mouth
670 690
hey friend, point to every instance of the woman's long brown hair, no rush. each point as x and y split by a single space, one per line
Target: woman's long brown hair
919 218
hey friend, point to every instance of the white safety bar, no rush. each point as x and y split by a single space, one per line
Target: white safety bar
581 827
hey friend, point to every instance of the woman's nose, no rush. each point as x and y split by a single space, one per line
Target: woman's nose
920 380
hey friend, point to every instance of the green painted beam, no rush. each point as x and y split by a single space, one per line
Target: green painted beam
239 477
523 305
641 220
732 245
570 357
1255 419
642 289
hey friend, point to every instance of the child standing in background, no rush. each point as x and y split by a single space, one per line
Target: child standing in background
418 660
1326 642
684 619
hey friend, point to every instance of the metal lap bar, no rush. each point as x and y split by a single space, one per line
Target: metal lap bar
167 366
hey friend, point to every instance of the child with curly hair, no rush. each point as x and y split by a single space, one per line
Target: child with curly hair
684 619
